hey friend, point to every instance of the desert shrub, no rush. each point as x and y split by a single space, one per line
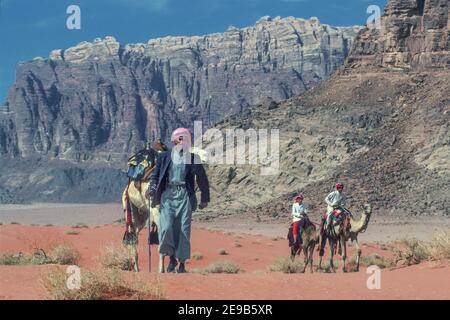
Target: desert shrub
10 259
286 265
49 225
198 270
222 267
223 252
439 246
37 257
99 285
119 221
79 225
412 252
372 260
197 256
72 233
14 222
117 256
64 254
237 245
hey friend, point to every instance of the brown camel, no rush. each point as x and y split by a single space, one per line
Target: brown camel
310 237
140 205
339 233
139 211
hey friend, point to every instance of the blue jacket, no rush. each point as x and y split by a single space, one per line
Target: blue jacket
194 172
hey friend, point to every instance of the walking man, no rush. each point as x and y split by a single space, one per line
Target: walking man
172 186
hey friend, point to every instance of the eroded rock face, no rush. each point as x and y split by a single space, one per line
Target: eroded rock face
380 125
414 34
99 101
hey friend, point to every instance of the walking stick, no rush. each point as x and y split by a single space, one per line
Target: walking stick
149 242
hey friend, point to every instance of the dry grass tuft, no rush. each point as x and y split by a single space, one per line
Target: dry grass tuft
117 256
38 257
79 225
222 267
286 265
99 285
439 246
414 251
197 256
10 259
64 254
72 233
372 260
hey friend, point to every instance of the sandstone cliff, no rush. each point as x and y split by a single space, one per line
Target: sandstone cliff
381 125
414 35
99 101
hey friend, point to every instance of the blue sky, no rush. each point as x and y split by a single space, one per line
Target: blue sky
30 28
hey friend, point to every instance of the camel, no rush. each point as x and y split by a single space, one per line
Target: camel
310 237
139 211
140 205
342 234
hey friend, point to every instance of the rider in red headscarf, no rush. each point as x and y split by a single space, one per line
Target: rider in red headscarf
298 217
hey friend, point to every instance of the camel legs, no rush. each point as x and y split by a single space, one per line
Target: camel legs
293 252
358 253
308 251
344 255
135 255
305 254
323 242
131 243
295 248
161 263
332 247
311 255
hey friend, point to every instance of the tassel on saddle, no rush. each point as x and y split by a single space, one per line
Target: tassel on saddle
129 237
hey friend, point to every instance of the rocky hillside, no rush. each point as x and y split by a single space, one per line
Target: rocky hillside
414 35
98 101
380 125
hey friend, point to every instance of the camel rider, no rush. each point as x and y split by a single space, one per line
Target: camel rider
172 186
334 200
298 217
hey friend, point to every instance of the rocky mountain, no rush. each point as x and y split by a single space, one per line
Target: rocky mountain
414 35
380 125
98 101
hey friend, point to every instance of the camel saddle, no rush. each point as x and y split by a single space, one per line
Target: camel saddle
341 216
139 164
290 235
